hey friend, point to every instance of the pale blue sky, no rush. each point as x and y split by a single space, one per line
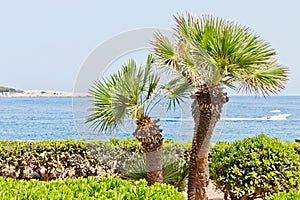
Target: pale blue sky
43 44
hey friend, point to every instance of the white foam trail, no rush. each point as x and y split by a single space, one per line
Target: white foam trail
273 117
245 119
176 119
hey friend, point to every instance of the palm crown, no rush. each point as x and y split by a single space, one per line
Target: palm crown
214 51
132 91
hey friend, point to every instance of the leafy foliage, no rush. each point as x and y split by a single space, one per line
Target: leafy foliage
89 188
254 167
111 157
129 144
291 195
47 160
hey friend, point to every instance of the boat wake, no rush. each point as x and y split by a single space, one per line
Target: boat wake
273 117
277 116
176 119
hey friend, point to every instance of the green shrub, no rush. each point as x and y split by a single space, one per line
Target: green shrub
133 145
111 157
296 146
85 189
47 160
128 144
254 167
292 195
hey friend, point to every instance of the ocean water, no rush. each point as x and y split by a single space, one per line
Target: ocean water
64 117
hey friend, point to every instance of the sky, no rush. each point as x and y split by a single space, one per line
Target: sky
43 44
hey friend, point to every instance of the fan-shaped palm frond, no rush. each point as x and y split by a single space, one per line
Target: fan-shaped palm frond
103 117
123 93
177 90
134 92
216 51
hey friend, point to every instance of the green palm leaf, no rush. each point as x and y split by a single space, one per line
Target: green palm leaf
131 92
215 51
177 90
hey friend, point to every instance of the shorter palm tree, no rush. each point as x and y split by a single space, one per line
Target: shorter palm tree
133 92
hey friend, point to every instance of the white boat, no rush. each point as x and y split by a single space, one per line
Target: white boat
275 111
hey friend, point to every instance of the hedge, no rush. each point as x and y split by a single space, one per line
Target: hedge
62 159
85 189
47 160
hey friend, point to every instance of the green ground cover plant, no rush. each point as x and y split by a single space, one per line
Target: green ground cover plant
86 189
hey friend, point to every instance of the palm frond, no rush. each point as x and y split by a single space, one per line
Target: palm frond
176 91
265 80
103 117
216 51
185 27
164 51
124 93
150 60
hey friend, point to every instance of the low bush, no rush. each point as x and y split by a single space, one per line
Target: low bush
292 195
47 160
296 146
128 144
133 145
85 189
253 167
111 157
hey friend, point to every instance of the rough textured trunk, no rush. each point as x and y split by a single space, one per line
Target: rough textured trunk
149 134
206 109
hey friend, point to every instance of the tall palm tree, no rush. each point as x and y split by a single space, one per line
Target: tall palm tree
133 92
212 53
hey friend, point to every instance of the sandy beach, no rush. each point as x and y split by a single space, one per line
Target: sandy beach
42 93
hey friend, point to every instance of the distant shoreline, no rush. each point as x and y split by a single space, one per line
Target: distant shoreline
41 93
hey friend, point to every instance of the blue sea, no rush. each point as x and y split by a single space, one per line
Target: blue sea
52 118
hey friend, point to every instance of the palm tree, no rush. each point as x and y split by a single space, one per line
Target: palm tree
133 92
212 53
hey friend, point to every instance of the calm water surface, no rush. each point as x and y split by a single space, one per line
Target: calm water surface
62 118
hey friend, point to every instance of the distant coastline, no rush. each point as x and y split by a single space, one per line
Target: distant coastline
40 93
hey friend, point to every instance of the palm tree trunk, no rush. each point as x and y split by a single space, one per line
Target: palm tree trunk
206 110
149 134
